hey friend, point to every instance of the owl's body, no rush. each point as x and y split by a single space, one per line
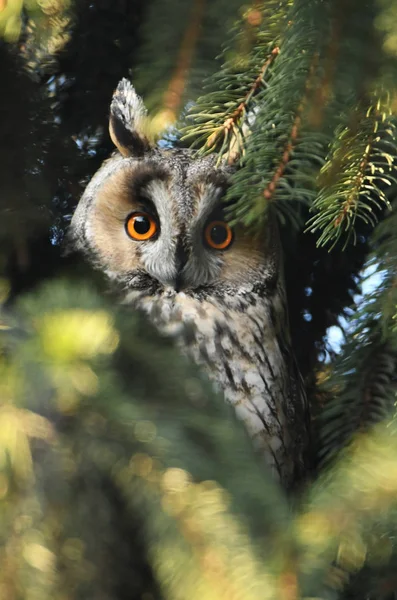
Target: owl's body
227 337
153 220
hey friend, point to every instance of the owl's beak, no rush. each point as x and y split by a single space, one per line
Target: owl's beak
181 258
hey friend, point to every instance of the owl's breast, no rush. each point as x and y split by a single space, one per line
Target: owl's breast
235 340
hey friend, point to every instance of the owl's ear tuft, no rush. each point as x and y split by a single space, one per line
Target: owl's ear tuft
128 119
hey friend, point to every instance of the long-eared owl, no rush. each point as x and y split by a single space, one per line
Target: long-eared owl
153 220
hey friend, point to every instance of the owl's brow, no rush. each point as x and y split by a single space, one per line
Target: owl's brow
215 178
215 181
140 180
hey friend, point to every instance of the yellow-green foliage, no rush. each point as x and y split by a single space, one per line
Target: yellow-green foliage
44 23
103 425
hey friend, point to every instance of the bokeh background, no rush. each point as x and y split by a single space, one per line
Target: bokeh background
122 474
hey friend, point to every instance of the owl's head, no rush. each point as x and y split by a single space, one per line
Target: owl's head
153 218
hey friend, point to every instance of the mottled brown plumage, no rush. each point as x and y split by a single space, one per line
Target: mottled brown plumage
225 304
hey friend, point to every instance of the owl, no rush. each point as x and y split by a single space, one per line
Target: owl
153 220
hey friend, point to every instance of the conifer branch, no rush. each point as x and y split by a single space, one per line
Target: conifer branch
363 390
279 172
355 179
282 152
242 109
384 259
219 121
292 138
363 385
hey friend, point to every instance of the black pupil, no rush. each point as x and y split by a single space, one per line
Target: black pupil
218 234
141 224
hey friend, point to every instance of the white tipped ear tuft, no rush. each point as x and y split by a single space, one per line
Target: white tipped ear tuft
128 117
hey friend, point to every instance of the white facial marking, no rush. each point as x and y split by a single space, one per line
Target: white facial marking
158 256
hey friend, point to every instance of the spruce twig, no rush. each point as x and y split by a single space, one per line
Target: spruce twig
355 178
219 121
235 118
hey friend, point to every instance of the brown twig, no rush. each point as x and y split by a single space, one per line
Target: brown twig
323 91
351 200
232 120
271 187
173 94
358 181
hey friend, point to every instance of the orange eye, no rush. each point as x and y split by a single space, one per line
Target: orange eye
218 235
141 226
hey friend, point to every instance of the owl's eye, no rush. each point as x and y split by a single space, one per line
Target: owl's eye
141 226
218 235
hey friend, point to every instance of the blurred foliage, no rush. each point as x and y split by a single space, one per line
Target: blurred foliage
122 474
98 500
79 469
44 23
180 41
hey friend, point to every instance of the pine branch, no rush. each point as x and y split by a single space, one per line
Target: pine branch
384 257
356 176
283 150
224 130
280 121
362 388
220 119
363 384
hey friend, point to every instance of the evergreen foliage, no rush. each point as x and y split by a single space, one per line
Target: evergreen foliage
122 474
222 115
354 179
363 384
68 449
179 41
98 499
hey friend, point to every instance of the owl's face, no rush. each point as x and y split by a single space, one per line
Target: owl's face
154 219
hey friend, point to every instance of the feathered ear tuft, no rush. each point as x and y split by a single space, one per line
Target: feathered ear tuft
128 117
